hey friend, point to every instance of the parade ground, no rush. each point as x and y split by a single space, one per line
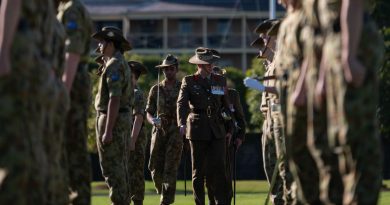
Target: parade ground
251 192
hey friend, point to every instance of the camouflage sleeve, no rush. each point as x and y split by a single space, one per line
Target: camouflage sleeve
139 103
114 79
151 106
239 115
73 23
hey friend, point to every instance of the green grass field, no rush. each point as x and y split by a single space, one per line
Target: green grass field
248 193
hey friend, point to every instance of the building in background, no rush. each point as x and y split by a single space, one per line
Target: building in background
179 26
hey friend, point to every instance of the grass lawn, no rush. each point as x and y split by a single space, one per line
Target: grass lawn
248 193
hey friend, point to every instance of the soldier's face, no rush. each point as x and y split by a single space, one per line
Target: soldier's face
170 72
269 48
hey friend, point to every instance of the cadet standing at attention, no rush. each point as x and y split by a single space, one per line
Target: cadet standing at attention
25 66
113 109
273 139
166 143
202 97
78 26
353 50
138 139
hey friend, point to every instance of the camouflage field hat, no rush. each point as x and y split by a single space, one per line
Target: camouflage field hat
113 34
137 67
258 43
273 31
264 26
219 70
204 56
170 60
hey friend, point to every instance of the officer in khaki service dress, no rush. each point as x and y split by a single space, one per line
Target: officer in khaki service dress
166 143
78 26
113 109
232 145
25 66
199 107
274 147
138 139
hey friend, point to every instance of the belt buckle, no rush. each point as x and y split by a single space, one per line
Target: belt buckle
208 111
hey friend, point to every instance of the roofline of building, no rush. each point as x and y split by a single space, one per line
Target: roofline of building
193 15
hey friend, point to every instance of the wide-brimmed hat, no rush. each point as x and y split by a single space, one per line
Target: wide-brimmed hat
264 26
169 60
258 43
273 31
137 67
204 56
113 34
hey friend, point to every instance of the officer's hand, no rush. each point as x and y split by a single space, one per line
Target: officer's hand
254 84
107 138
157 122
228 137
183 130
238 143
354 71
5 64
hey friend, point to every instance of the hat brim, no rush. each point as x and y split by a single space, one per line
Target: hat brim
195 60
138 67
164 65
258 43
102 35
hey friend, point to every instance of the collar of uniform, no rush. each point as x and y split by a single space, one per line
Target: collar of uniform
199 75
163 83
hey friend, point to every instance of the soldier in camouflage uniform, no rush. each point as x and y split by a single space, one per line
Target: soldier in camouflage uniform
78 26
200 104
273 140
113 109
352 53
138 139
25 66
166 144
57 186
231 146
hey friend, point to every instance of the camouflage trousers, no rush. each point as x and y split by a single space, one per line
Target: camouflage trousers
136 169
114 157
165 154
23 162
78 161
302 165
57 182
280 146
269 162
352 127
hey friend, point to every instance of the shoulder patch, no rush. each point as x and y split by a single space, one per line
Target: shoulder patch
115 76
71 25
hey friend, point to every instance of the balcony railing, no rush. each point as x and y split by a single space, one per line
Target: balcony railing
146 40
184 41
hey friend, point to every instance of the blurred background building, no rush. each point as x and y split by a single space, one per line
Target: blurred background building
179 26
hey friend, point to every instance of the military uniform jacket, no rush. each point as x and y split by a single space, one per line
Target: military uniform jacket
78 25
167 103
115 81
139 102
238 113
200 109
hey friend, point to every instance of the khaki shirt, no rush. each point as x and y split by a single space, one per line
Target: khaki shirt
115 81
78 25
166 108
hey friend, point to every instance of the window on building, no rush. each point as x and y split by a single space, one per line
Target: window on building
223 26
185 26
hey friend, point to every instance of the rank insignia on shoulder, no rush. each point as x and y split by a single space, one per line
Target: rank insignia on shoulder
72 25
